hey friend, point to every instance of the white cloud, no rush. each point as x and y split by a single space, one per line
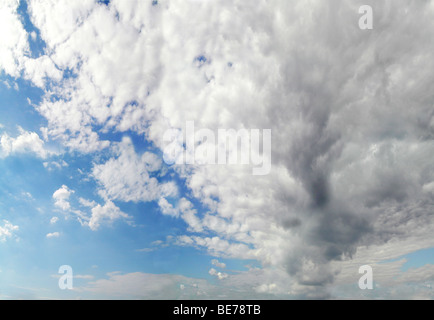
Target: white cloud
218 247
53 220
27 195
26 142
219 275
52 165
99 214
167 208
39 69
135 183
87 203
33 35
6 83
76 276
109 212
14 43
83 276
183 209
61 198
53 235
218 264
15 50
57 21
7 230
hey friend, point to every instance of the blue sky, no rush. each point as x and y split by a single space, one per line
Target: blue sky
89 89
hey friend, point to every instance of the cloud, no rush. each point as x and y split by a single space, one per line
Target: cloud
136 182
219 275
138 285
26 142
76 276
254 283
218 247
218 264
7 230
183 209
167 208
15 50
27 195
98 215
61 198
53 220
350 113
52 165
109 212
53 235
83 276
40 69
14 43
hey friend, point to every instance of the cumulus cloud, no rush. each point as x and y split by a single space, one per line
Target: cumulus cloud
14 43
61 198
219 275
350 112
26 142
136 182
40 69
7 230
106 213
95 214
15 51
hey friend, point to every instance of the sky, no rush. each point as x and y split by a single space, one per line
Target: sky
90 92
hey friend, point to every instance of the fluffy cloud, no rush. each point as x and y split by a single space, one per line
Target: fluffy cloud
15 52
109 212
7 230
14 43
183 209
350 111
26 142
136 182
219 275
99 214
218 247
61 198
40 69
218 264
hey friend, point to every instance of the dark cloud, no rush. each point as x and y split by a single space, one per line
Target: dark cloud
350 89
